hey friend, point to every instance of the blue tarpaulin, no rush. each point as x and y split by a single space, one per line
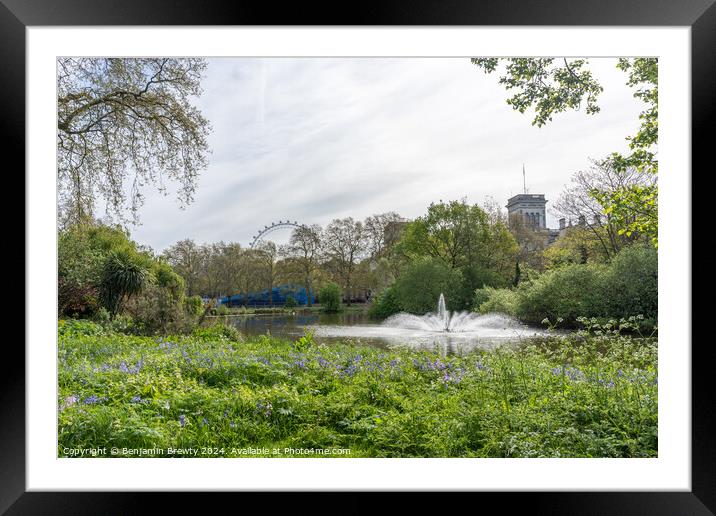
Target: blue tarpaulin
279 295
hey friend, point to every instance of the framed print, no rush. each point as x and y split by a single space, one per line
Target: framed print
424 252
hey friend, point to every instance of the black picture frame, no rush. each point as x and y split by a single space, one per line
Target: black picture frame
700 15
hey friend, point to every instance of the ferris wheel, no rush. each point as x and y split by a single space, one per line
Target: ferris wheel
272 228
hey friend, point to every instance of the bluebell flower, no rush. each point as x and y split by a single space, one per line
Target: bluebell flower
136 399
182 420
91 400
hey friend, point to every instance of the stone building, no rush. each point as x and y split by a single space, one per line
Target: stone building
530 210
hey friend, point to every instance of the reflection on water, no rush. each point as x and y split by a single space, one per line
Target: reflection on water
484 332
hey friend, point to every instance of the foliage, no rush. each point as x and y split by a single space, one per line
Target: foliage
124 274
290 302
568 292
634 208
218 331
385 304
577 245
631 284
627 286
82 253
466 239
500 300
121 117
546 84
344 247
194 305
419 286
552 89
330 297
581 396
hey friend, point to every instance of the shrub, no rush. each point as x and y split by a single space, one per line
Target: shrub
385 304
194 306
290 302
568 292
330 297
421 283
631 283
496 300
219 331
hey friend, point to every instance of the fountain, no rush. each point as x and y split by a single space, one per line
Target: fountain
450 332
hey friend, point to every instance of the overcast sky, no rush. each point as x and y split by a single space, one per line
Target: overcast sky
313 139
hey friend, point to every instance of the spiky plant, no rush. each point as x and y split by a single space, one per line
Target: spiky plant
124 274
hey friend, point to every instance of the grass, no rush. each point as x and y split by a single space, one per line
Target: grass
212 395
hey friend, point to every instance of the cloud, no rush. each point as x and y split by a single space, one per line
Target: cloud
313 139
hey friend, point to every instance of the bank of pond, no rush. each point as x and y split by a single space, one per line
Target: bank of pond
592 394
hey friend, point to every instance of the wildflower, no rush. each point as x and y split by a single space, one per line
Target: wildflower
323 362
91 400
136 399
204 422
182 420
69 401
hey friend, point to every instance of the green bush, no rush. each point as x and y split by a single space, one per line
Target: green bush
626 287
330 297
194 306
631 283
219 331
290 302
501 300
385 304
568 292
419 286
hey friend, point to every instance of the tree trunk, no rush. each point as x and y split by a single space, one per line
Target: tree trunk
308 292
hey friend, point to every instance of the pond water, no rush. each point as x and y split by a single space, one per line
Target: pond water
448 333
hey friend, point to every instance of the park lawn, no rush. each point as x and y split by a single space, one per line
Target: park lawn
267 397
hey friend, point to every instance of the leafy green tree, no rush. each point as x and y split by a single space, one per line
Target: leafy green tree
550 85
385 304
418 288
330 297
123 123
463 238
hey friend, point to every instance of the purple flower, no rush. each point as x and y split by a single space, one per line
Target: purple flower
136 399
182 420
91 400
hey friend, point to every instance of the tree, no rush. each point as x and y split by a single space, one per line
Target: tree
381 232
265 254
123 124
463 237
344 246
330 297
187 259
551 86
418 288
304 248
578 203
